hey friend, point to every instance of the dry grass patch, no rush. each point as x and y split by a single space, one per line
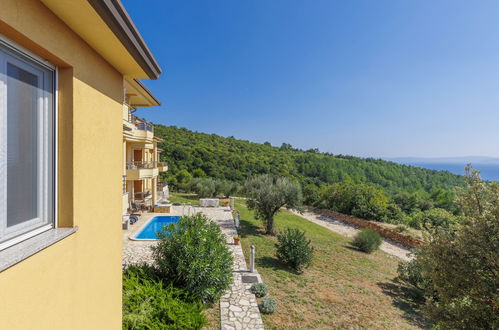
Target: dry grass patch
343 288
213 316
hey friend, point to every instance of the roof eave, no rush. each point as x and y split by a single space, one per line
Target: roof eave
117 19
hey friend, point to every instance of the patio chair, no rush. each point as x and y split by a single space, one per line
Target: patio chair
134 218
134 208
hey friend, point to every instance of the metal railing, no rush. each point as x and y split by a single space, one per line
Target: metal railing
141 124
144 165
141 165
142 195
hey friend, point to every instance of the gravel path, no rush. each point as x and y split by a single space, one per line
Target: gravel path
350 231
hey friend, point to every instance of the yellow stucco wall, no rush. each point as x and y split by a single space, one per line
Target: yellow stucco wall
75 283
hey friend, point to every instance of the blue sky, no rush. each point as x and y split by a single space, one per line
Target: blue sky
366 78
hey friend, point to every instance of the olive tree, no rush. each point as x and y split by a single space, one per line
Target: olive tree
267 195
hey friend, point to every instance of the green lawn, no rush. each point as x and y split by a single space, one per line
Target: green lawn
343 288
183 198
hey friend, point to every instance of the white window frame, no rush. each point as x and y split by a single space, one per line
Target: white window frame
47 203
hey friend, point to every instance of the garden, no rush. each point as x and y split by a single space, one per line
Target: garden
342 287
192 269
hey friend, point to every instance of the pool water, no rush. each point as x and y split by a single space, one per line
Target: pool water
154 225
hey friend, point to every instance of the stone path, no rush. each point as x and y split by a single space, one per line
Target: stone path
238 306
350 231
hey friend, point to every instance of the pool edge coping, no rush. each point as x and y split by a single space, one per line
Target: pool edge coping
144 225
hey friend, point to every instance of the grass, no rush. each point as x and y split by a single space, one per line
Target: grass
344 288
184 198
212 314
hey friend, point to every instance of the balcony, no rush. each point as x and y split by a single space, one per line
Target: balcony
141 170
142 196
142 124
136 129
141 165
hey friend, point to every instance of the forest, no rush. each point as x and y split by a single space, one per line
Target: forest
366 187
236 160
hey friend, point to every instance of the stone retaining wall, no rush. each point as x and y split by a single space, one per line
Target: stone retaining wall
404 240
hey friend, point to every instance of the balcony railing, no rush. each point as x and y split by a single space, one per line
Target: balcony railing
141 165
142 195
141 124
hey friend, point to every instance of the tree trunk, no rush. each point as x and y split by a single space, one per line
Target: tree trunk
270 226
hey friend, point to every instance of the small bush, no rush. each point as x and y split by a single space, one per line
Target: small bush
367 240
401 228
267 306
434 218
193 255
259 290
148 304
293 249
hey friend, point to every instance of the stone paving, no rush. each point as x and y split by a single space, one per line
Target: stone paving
139 251
238 306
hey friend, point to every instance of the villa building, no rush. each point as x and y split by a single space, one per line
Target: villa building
63 68
141 165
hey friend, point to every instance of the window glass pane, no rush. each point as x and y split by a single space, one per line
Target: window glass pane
22 145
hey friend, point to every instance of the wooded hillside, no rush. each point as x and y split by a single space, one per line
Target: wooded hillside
235 160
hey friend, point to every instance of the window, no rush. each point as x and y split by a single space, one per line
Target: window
27 123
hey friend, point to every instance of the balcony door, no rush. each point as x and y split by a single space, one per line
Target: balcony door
137 155
137 186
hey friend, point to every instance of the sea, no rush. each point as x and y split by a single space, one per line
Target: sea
488 172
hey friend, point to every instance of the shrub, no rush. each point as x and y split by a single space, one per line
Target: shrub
456 269
433 218
193 255
311 194
361 200
367 240
293 249
461 264
401 228
267 306
203 187
148 304
259 290
410 274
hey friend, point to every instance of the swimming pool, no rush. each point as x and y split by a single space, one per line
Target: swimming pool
149 231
